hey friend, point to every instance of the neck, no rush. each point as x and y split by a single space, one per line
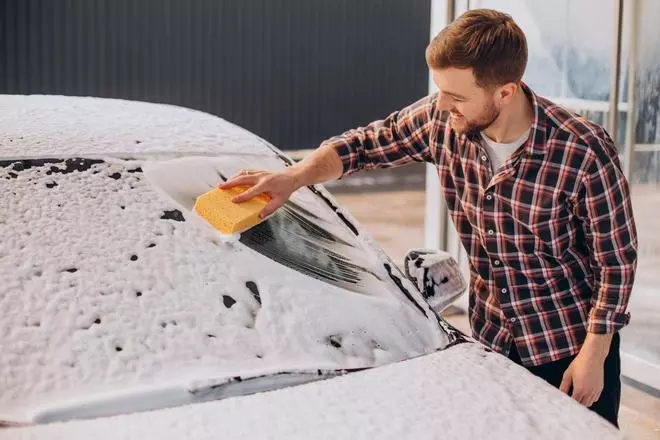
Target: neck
514 119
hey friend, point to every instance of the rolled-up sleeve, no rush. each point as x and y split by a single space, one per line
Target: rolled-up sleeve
399 139
605 208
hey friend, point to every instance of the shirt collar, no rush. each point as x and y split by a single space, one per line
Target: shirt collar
536 144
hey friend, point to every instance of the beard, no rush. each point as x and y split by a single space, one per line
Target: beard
462 125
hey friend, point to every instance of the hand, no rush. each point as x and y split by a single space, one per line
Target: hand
279 186
587 375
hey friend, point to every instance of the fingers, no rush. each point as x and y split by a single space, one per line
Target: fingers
271 207
584 396
582 384
239 180
242 177
591 401
578 396
260 182
566 382
249 194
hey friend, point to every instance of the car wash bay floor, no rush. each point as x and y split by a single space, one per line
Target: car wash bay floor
396 220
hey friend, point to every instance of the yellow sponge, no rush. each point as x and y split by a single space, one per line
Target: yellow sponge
226 216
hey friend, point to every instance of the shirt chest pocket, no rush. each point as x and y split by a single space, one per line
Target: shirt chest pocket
543 223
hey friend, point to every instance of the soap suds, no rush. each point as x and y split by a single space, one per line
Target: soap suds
459 393
109 283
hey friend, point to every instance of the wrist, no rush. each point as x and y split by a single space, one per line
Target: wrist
296 173
597 346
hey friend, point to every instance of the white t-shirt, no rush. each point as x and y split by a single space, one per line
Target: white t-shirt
498 152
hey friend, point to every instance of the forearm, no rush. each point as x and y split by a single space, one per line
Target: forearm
400 138
596 346
605 209
322 165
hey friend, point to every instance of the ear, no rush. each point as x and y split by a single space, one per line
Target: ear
506 92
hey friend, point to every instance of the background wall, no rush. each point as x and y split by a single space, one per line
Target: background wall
291 71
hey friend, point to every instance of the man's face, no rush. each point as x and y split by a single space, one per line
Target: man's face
472 108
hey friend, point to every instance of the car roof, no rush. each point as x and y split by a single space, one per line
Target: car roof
116 297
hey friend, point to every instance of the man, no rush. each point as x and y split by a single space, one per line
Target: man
537 196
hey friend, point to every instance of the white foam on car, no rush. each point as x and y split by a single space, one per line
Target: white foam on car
106 302
459 393
61 126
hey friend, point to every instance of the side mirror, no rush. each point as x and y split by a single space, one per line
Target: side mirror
437 275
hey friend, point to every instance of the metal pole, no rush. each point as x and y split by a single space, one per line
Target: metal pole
631 118
616 70
451 10
563 93
444 213
435 216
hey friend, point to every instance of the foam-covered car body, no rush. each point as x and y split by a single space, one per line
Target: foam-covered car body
123 307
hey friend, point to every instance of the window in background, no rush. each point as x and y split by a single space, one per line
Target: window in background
570 57
641 64
569 46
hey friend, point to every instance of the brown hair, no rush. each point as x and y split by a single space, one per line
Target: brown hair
487 41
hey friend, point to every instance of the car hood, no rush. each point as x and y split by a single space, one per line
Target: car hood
116 297
463 392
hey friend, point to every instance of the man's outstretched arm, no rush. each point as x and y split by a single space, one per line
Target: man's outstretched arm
401 138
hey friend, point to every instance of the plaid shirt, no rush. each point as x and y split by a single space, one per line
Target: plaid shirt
550 236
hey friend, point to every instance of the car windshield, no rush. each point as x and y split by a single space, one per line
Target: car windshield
116 297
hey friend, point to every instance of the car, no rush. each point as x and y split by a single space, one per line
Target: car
126 315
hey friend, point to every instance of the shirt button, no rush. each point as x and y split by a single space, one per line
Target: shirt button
491 232
504 290
497 262
484 158
489 197
512 320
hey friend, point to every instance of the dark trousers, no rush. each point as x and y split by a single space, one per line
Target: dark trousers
607 405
